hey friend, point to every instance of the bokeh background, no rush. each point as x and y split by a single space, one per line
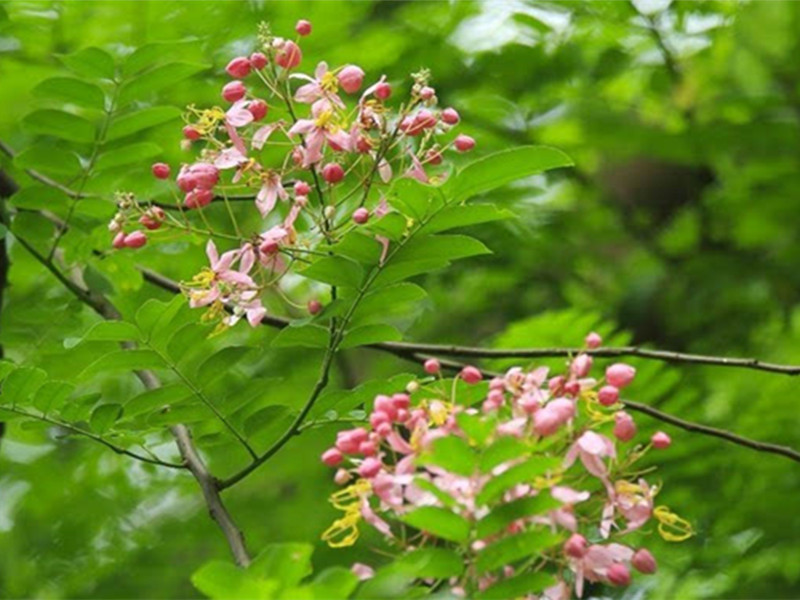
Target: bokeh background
678 228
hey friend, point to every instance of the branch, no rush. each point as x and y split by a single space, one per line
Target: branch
724 434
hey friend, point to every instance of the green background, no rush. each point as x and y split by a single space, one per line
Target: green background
677 228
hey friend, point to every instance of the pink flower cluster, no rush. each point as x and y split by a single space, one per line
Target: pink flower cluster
594 489
336 144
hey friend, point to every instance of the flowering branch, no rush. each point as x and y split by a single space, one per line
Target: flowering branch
724 434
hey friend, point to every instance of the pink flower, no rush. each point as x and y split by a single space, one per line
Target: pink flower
597 562
370 467
360 570
619 374
591 448
319 129
225 279
271 189
321 86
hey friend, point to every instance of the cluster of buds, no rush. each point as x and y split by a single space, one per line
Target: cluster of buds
550 439
338 143
129 212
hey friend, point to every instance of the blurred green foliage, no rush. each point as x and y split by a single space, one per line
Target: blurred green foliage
677 228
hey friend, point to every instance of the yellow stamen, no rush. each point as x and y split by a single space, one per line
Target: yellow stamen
329 82
343 532
671 527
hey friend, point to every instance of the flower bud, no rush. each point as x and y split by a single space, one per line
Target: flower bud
269 247
412 387
450 116
618 574
332 457
619 374
258 108
301 188
546 421
378 418
581 366
464 143
367 448
432 366
576 546
363 144
572 388
314 307
346 444
433 157
563 407
289 56
383 90
608 395
234 91
333 173
660 440
258 60
119 240
136 239
149 221
198 198
471 375
239 67
624 427
160 170
644 562
342 476
384 404
370 467
361 215
427 92
351 78
402 415
190 133
555 384
329 212
593 340
303 27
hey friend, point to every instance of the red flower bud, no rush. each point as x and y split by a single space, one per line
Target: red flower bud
464 143
190 133
314 307
644 562
136 239
239 67
333 173
576 546
119 240
234 91
432 366
351 78
450 116
471 375
289 56
608 395
619 374
332 457
160 170
258 108
303 27
593 340
624 427
660 440
361 215
383 90
618 574
258 60
301 188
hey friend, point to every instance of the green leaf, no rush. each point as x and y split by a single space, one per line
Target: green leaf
441 495
52 395
221 580
515 547
156 399
124 360
413 198
358 247
440 247
39 197
149 54
440 522
219 363
519 586
21 384
71 90
388 299
106 331
157 78
478 427
334 583
46 158
462 215
503 515
395 272
154 317
140 120
370 334
504 167
451 453
309 336
335 270
523 473
60 124
132 153
287 563
268 418
505 448
6 367
439 563
393 226
90 62
104 416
